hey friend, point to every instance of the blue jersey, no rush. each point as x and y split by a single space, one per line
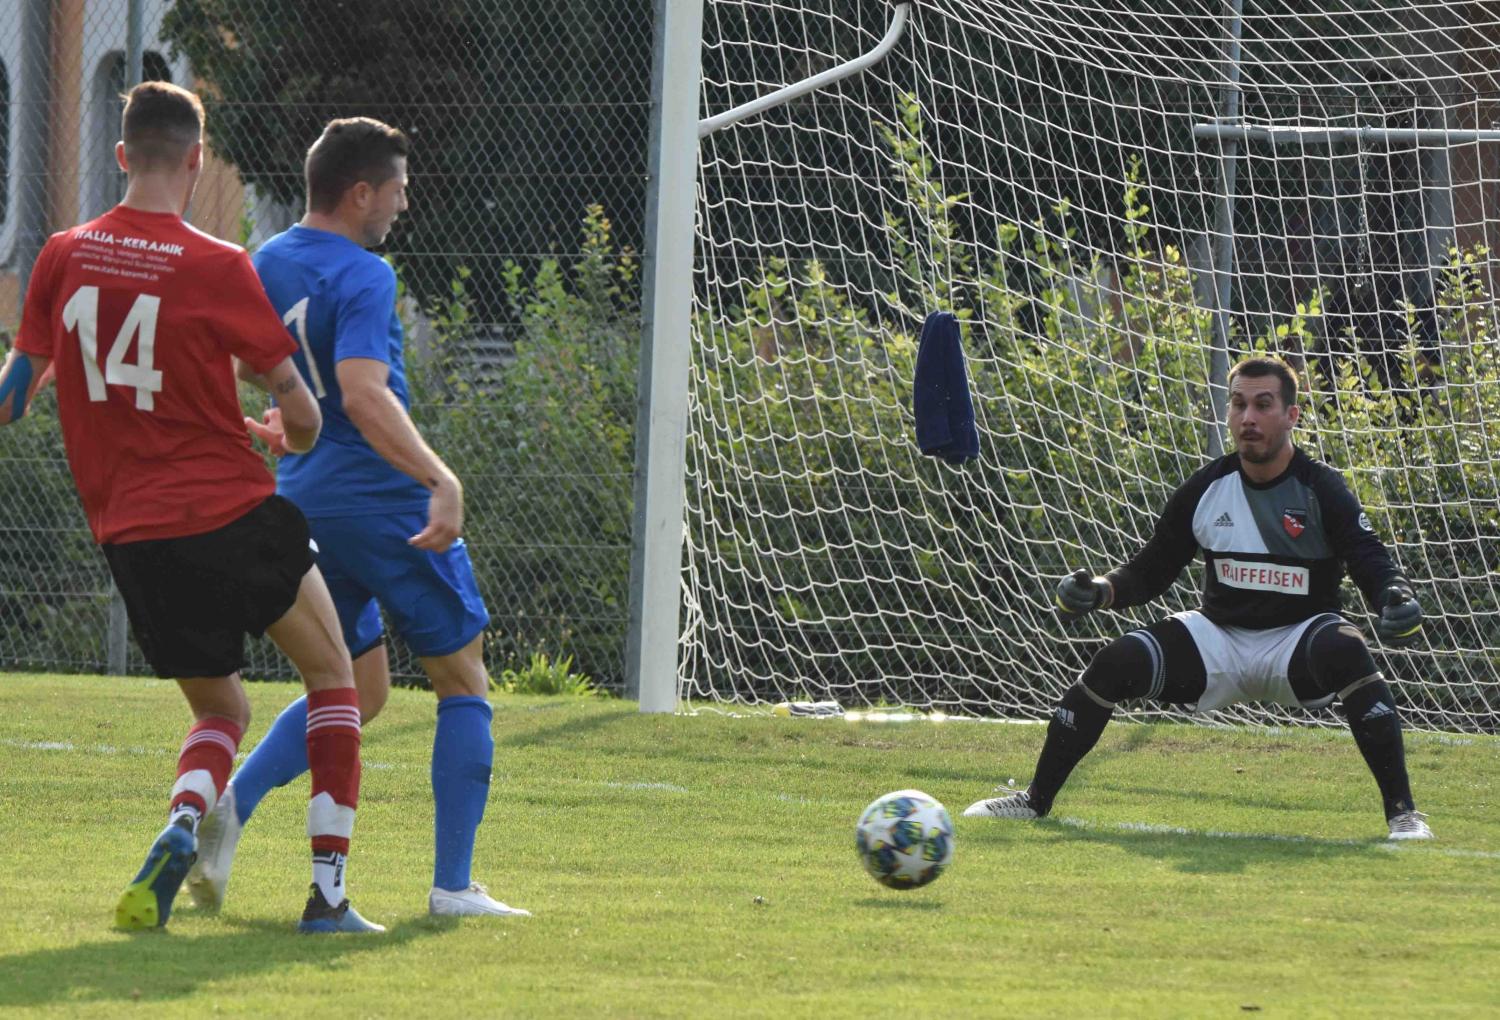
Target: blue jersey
338 301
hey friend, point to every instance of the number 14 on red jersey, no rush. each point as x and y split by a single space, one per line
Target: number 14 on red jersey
81 313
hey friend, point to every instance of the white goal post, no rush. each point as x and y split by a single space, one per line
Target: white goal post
1117 200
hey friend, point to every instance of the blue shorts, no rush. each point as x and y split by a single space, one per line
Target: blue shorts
430 598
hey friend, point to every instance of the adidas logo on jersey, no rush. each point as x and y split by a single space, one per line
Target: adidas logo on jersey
1224 521
1380 709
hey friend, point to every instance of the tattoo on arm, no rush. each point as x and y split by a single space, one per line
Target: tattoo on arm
287 385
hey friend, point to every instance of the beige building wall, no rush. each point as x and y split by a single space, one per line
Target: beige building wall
84 34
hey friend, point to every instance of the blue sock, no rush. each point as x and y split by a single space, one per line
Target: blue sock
462 752
276 760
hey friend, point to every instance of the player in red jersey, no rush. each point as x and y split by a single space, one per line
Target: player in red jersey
141 317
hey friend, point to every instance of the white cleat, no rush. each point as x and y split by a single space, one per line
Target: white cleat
474 901
1014 805
1409 825
218 836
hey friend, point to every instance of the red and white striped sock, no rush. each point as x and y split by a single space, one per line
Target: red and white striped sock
203 767
333 735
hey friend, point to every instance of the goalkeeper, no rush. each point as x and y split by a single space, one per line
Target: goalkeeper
1277 529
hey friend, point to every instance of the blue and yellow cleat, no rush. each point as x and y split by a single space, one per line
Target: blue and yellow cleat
318 918
147 901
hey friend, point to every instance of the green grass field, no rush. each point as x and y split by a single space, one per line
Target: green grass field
705 867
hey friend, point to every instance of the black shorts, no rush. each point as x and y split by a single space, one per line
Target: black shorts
192 600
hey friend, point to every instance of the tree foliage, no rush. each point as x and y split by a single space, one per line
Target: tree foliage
520 113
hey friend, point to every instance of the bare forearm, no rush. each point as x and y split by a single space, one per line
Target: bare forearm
300 431
388 429
244 373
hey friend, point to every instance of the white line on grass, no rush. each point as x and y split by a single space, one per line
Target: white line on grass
1443 738
1212 721
1273 837
156 752
162 752
64 745
1407 846
1177 830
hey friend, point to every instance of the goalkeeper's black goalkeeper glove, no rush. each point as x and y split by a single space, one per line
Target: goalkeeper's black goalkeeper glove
1400 617
1081 593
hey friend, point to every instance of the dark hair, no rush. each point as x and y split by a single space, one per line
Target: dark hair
1264 365
160 123
349 151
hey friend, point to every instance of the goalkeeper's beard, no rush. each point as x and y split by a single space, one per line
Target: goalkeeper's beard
1268 454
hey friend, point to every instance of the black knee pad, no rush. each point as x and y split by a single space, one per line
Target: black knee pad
1331 656
1159 662
1122 669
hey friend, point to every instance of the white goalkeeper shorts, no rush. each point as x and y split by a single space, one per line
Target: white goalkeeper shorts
1240 664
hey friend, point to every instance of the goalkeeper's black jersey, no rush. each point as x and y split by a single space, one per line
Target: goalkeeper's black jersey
1274 553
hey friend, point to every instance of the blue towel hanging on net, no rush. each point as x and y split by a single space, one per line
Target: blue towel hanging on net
940 393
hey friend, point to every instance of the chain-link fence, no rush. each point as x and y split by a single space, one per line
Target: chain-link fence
528 121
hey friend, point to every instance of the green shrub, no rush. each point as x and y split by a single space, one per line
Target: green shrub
1091 385
545 449
541 675
1091 389
1420 449
54 583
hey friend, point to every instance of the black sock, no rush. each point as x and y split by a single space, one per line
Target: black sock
1377 730
1074 730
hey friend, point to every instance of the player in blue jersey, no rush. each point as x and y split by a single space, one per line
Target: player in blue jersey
385 512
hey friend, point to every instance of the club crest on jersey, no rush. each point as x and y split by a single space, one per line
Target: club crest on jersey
1294 521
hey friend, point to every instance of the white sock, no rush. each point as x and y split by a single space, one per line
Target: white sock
190 813
328 874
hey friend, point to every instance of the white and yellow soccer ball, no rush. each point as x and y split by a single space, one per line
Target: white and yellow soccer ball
905 839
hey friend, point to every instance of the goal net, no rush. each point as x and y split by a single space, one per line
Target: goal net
1066 176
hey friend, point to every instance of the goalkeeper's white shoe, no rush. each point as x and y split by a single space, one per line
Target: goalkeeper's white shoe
474 901
218 836
1409 825
1014 805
